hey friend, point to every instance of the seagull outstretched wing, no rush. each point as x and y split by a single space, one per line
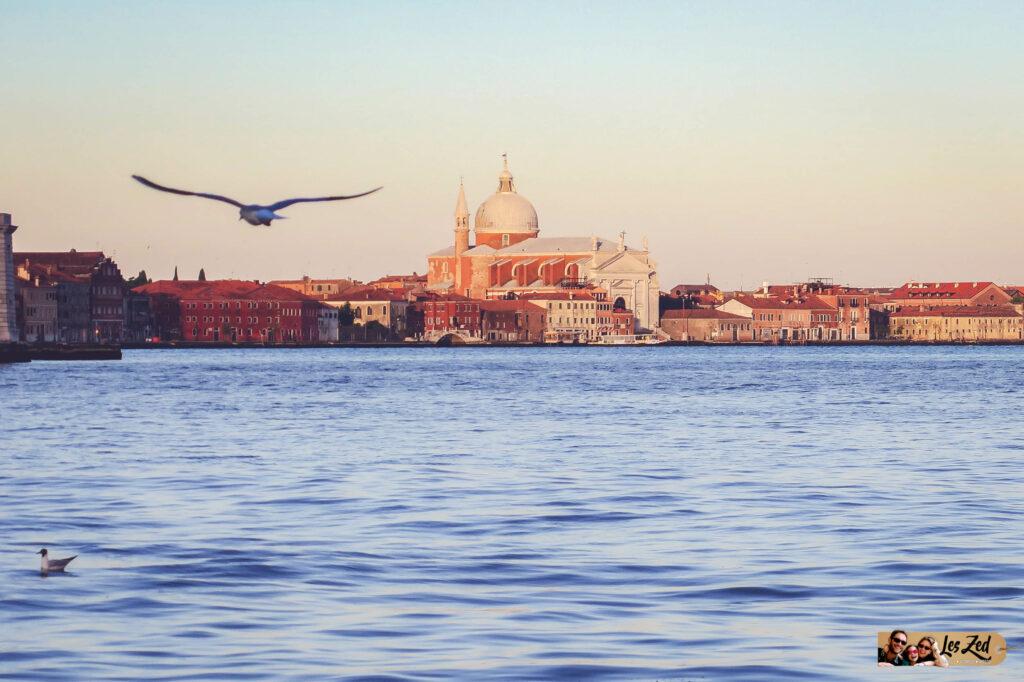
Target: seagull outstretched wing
150 183
288 202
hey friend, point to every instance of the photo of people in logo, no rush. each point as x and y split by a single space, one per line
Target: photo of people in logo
942 649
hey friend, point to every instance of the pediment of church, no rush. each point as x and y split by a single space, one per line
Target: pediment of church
623 263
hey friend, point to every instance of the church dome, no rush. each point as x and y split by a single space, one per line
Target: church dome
505 210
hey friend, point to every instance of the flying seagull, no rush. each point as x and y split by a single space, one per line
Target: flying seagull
53 564
254 214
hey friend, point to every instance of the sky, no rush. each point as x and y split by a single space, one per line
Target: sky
867 142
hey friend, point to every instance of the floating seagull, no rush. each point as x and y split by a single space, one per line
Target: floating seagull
254 214
53 564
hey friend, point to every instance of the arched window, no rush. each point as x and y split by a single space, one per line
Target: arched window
620 303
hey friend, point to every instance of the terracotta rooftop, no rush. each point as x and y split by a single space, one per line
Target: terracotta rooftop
366 294
560 296
510 305
700 314
939 290
779 303
75 262
222 289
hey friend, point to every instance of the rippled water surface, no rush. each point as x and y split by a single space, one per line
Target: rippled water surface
566 513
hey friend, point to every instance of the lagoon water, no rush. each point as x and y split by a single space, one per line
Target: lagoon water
511 514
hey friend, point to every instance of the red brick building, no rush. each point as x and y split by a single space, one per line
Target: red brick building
451 314
232 311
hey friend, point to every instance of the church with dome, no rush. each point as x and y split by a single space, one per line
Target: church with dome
509 259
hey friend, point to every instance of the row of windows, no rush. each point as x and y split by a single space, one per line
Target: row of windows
797 317
250 305
969 322
459 307
454 320
238 320
574 305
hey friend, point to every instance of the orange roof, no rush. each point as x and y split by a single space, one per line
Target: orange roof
222 289
49 275
776 303
700 313
366 294
940 290
76 262
560 296
510 305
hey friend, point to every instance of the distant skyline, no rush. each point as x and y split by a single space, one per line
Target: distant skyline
867 142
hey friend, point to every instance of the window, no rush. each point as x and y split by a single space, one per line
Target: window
504 240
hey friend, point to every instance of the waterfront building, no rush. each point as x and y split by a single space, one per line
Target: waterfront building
858 312
453 316
702 324
509 259
383 306
232 311
778 319
106 291
8 316
957 324
572 316
55 305
513 321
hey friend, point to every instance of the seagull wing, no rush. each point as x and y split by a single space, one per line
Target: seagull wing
288 202
149 183
61 563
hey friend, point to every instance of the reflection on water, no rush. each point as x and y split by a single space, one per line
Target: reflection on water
613 513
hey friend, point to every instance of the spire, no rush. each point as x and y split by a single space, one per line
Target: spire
461 223
461 207
505 179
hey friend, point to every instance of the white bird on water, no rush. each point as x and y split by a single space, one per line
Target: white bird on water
254 214
49 564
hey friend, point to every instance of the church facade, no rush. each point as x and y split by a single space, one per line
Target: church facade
510 259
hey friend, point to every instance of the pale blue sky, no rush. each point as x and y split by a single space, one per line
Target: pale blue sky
871 142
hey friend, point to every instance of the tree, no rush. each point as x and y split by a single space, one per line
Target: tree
175 273
202 275
345 315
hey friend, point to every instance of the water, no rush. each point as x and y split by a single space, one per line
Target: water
590 513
